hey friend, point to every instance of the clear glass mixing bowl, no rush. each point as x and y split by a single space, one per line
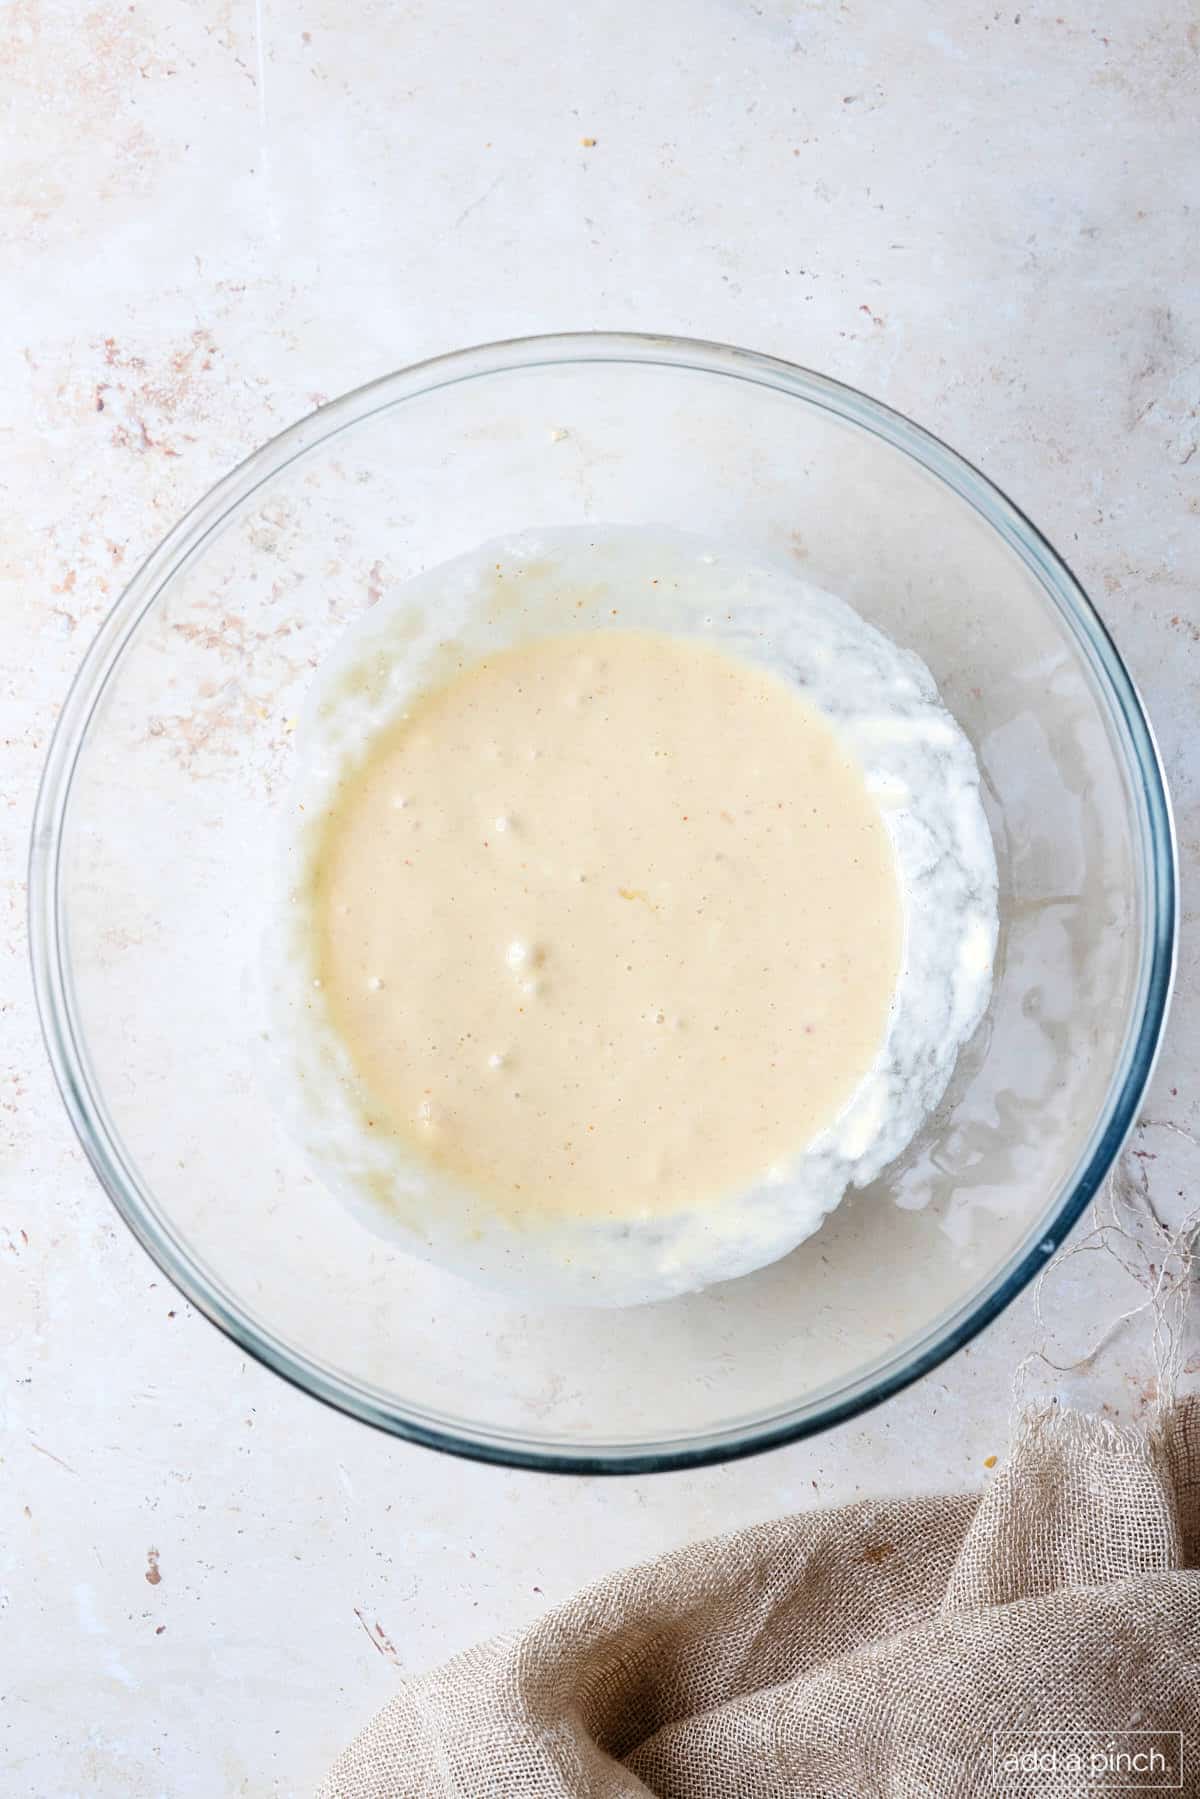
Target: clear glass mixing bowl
151 863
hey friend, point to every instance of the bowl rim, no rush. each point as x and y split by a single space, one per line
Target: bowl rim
81 1093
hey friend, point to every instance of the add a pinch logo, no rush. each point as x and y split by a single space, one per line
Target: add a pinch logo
1104 1761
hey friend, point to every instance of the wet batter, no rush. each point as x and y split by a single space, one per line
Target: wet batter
608 923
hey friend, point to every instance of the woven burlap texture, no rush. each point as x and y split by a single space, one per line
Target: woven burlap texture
857 1653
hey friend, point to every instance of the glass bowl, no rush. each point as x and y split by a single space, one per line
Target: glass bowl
155 831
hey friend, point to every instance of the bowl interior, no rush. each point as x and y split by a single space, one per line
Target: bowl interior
157 832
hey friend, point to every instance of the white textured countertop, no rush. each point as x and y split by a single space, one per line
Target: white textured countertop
215 218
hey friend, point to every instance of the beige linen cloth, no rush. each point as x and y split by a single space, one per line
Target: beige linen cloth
867 1651
893 1649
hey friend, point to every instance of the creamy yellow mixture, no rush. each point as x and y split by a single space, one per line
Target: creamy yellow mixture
608 924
